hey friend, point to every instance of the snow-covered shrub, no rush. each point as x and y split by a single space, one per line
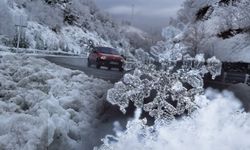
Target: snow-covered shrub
7 27
51 17
41 12
44 106
137 37
170 32
219 123
70 38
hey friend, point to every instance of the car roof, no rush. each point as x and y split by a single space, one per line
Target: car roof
102 47
107 50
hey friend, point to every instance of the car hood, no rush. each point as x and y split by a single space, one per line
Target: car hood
112 56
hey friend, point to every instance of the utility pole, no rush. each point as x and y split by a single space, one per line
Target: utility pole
18 37
20 28
20 25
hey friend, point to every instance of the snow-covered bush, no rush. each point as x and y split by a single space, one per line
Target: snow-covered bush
70 38
7 27
53 17
44 106
137 37
45 14
219 123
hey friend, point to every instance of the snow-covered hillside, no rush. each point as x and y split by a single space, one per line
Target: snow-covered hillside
44 106
133 30
59 25
69 39
137 37
216 27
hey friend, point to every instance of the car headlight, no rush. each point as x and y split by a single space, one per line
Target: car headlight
103 57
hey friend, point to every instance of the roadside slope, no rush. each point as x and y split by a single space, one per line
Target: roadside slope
46 106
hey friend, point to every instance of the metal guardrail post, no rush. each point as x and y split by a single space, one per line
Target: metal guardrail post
246 78
224 77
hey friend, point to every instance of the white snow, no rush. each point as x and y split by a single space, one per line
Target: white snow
241 91
219 124
210 34
44 106
234 49
70 38
127 29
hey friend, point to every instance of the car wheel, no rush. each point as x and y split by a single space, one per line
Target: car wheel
109 68
121 69
98 66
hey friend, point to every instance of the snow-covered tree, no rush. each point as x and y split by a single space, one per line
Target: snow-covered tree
6 24
50 21
215 27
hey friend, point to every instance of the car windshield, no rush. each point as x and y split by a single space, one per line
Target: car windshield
107 50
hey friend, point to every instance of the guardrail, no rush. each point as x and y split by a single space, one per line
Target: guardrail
224 78
231 78
247 79
37 51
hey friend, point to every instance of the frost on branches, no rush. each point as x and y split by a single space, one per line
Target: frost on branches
176 82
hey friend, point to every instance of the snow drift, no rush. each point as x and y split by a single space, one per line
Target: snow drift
44 106
220 123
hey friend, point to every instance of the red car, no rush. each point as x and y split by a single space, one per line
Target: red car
105 56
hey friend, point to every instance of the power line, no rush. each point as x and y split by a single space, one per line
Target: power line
132 13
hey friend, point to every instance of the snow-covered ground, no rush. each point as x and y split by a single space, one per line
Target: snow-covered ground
47 26
71 38
241 91
220 124
44 106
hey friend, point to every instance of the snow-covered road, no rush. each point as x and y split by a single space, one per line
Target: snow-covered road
78 63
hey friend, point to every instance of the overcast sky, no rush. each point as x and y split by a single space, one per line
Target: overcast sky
147 13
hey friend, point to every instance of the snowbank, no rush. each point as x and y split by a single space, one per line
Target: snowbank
241 91
219 124
44 106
